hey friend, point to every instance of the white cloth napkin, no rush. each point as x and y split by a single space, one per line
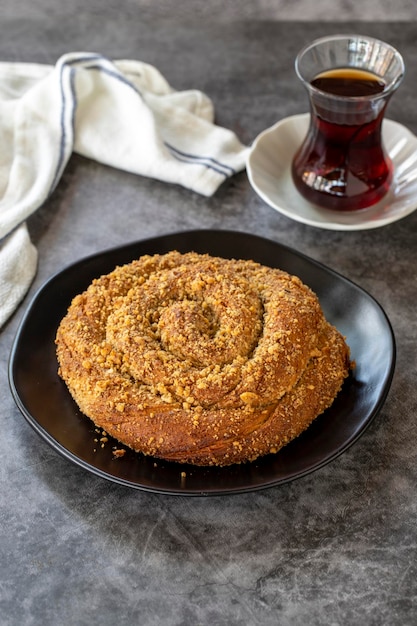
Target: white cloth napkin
121 113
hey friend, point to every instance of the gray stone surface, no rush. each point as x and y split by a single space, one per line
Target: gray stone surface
337 547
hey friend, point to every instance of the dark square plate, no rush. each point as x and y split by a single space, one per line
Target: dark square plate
44 401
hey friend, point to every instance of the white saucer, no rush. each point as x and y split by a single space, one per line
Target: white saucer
269 172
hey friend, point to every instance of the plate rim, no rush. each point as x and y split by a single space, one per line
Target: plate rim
212 491
325 224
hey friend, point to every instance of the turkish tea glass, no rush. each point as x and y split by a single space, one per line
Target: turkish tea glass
342 163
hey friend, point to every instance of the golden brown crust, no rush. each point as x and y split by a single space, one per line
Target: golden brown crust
200 359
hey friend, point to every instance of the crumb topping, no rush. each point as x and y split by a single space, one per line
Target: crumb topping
200 359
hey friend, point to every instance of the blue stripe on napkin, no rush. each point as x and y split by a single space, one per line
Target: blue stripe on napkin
208 162
65 140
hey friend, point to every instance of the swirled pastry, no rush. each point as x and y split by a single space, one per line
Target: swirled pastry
200 359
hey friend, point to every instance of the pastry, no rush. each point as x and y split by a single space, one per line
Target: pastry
199 359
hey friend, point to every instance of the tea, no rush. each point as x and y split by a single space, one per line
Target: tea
342 164
349 82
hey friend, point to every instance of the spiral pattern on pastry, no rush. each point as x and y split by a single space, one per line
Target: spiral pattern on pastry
199 359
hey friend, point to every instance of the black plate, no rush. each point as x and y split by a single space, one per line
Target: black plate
46 404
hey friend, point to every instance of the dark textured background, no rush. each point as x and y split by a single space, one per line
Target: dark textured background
337 547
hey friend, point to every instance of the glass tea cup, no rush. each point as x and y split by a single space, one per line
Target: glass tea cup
342 163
